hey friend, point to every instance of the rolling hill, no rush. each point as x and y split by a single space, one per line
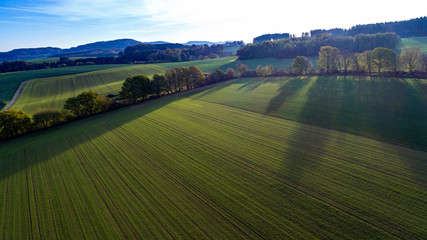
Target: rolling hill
52 92
387 109
196 165
97 49
9 82
415 42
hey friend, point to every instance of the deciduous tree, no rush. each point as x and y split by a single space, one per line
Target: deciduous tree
159 84
194 76
13 122
328 59
382 57
300 65
87 103
411 58
231 74
49 117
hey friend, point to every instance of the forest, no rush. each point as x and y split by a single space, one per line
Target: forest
410 28
305 46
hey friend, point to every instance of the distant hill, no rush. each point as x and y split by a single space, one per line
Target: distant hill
114 44
29 53
199 43
97 49
156 42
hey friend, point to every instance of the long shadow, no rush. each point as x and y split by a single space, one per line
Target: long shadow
386 109
252 83
69 133
390 110
288 89
210 88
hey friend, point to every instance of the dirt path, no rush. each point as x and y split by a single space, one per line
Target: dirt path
21 86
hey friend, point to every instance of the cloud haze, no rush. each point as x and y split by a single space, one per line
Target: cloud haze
68 23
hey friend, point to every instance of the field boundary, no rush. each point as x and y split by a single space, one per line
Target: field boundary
16 95
315 125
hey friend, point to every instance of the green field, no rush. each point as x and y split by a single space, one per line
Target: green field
277 63
53 59
9 82
415 42
52 92
186 168
206 66
388 109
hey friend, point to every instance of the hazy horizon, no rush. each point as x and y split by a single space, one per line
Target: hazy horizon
68 23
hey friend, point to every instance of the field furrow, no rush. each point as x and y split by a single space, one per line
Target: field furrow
189 168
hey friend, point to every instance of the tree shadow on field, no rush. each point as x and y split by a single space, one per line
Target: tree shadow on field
37 147
390 110
288 89
250 84
385 109
209 89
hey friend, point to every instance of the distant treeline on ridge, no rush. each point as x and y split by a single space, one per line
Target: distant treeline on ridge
410 28
271 37
142 53
306 46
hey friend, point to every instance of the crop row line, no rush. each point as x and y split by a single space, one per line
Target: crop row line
285 180
81 157
192 190
134 146
269 136
129 188
6 198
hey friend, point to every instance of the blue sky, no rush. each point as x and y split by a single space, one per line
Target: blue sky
67 23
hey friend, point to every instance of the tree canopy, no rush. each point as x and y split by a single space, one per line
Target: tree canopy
300 65
411 58
328 59
13 122
87 103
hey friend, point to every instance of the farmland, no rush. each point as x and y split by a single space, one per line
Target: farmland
52 92
9 82
415 42
180 167
387 109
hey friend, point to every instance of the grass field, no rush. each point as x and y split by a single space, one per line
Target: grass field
277 63
186 168
53 59
9 82
387 109
415 42
52 92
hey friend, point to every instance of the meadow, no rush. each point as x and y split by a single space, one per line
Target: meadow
388 109
183 167
414 42
9 82
53 59
53 91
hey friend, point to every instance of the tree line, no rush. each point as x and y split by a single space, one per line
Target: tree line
88 103
143 53
271 37
305 46
377 62
409 28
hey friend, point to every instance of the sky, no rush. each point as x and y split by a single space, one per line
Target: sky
68 23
